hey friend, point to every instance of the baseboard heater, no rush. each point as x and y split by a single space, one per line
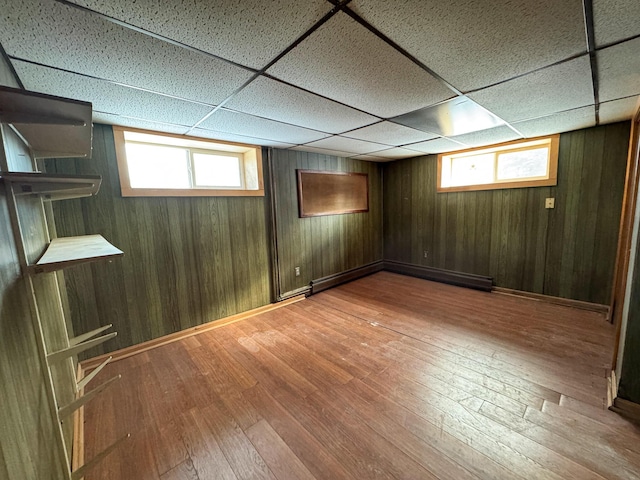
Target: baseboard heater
460 279
478 282
343 277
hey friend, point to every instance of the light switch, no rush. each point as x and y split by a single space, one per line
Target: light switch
550 203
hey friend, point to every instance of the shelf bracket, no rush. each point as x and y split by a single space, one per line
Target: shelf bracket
76 404
81 347
81 472
86 336
90 376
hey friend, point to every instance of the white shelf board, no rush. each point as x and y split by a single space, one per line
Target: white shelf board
69 251
54 127
53 186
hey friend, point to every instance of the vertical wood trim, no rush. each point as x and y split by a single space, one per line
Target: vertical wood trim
272 225
627 216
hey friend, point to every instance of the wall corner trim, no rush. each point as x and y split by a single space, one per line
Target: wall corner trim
625 408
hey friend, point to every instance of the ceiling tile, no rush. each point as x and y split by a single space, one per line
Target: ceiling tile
230 137
60 36
222 27
618 110
560 122
619 70
438 145
250 126
389 133
454 117
273 99
346 145
615 20
554 89
344 61
109 97
395 153
473 44
487 137
110 119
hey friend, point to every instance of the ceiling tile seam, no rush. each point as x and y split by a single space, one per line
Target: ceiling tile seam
401 50
402 145
591 48
284 82
346 138
410 57
626 97
540 117
390 121
417 129
184 126
438 137
112 82
141 119
359 128
157 36
303 37
535 70
299 40
617 42
227 109
7 59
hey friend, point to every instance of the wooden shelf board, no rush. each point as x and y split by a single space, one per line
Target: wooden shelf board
53 186
69 251
52 126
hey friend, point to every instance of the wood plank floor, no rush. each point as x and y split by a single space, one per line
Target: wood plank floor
387 377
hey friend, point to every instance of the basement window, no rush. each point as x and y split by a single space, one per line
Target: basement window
529 163
163 165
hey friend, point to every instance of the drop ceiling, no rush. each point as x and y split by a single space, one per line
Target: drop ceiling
369 79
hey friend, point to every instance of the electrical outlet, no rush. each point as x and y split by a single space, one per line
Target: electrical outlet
550 202
297 269
425 254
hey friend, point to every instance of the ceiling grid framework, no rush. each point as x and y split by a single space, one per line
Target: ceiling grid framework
334 77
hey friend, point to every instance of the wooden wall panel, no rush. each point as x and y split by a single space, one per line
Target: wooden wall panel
323 246
187 261
568 251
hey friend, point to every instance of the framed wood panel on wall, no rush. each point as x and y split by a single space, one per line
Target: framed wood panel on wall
332 193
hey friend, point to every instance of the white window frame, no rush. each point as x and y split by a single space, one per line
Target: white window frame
250 157
550 179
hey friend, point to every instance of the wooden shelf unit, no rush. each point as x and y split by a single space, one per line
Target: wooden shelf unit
52 127
53 187
69 251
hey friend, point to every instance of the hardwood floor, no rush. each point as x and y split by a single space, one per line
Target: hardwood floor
387 377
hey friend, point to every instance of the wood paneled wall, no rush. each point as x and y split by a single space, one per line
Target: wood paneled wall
568 251
322 246
187 261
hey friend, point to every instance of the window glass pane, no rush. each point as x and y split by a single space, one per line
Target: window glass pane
217 170
472 170
523 164
157 166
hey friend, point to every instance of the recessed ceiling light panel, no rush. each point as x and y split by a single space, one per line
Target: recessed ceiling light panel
454 117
